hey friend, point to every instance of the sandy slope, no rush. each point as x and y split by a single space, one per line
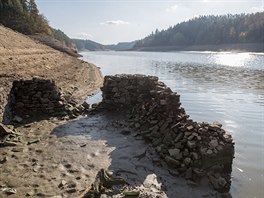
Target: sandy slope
24 57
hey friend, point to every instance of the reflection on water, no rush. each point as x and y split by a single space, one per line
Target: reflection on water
233 59
228 87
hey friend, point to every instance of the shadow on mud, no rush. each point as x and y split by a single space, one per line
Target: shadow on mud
129 156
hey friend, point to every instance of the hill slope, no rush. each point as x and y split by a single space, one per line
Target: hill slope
121 46
88 45
22 57
208 30
94 46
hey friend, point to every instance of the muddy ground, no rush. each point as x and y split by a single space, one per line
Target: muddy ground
66 156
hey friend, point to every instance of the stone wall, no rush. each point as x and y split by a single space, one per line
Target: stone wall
5 88
191 149
36 96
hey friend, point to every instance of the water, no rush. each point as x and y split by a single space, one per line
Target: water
227 87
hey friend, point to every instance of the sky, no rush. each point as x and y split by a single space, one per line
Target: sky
113 21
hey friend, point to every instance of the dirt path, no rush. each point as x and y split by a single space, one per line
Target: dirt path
68 155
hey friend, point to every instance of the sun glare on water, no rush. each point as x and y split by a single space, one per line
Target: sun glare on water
232 59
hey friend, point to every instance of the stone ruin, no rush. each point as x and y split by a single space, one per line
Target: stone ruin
29 100
194 150
36 96
42 97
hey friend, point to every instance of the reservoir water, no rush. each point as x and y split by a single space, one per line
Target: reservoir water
214 86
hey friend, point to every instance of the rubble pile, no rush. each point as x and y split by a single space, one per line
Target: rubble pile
8 135
191 149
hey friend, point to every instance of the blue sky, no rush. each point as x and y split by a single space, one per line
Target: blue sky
113 21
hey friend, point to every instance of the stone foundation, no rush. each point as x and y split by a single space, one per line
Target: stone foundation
191 149
36 96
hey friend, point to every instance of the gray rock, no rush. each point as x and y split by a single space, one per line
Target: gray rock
174 152
209 152
178 156
222 182
187 133
163 102
191 144
125 131
185 152
174 172
213 143
179 137
137 125
187 161
189 128
178 145
217 123
195 156
191 137
214 127
228 138
172 162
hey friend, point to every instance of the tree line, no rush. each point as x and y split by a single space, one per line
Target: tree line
23 16
210 30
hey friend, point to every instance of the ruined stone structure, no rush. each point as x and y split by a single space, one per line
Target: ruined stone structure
5 89
36 96
193 150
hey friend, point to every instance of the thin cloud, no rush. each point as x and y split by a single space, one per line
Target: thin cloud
115 22
172 8
83 35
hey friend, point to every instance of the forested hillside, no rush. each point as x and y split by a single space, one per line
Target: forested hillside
210 30
23 16
88 45
121 46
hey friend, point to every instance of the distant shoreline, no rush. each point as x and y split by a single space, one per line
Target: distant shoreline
238 47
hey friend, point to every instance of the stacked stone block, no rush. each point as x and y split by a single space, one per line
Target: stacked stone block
36 96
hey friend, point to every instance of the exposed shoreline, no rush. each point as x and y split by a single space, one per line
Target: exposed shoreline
58 157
